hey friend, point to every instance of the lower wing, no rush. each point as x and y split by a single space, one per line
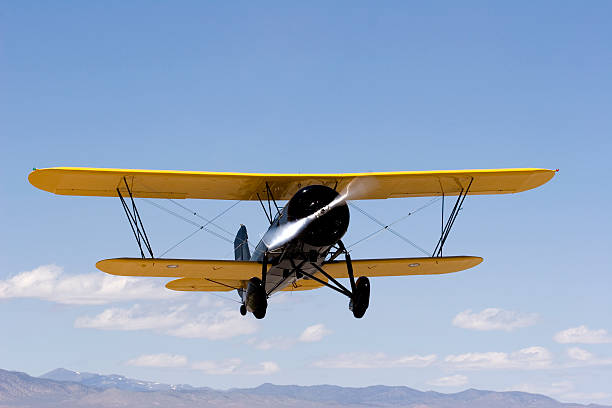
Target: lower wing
224 275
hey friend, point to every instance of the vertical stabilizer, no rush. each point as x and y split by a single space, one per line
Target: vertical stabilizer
241 245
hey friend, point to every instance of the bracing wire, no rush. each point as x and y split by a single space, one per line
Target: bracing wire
223 297
211 222
388 226
199 226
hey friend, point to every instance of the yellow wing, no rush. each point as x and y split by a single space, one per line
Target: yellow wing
245 186
203 285
403 266
224 285
305 284
181 268
237 271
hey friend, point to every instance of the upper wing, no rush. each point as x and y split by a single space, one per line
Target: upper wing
246 186
402 266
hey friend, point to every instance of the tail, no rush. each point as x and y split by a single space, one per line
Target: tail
241 245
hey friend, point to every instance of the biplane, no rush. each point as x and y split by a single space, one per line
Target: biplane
302 247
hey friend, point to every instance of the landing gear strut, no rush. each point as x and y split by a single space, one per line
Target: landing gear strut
359 294
360 290
255 300
361 297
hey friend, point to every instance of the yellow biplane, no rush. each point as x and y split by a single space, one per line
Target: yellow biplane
300 249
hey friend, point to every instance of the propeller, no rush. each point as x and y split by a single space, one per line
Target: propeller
280 235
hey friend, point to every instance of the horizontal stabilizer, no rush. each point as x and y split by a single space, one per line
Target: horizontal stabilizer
203 285
224 285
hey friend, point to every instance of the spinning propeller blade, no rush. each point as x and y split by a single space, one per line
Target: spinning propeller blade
281 234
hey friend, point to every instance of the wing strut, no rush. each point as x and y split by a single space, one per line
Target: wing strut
270 199
451 219
135 222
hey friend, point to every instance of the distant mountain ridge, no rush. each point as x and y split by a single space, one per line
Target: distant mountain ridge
110 381
65 388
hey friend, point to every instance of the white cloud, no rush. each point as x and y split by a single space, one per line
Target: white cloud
134 318
314 333
585 397
576 353
582 334
264 368
450 381
552 389
159 360
528 358
311 334
49 282
215 326
276 343
494 319
563 390
235 366
176 321
211 367
581 358
374 360
229 366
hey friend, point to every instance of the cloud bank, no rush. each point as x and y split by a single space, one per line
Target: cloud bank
582 334
179 321
374 360
211 367
529 358
49 282
494 319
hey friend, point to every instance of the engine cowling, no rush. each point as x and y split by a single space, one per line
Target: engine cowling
328 228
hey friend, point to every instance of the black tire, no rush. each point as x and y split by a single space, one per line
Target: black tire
361 297
259 313
243 310
256 298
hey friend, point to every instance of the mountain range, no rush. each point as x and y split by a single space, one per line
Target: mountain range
65 388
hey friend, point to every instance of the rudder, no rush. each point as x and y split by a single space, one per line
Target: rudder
241 245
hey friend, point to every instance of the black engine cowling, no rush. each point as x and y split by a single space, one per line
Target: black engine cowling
327 229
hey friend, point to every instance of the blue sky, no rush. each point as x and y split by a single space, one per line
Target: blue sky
280 87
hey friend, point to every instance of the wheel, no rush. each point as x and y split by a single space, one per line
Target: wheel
257 298
243 310
259 313
361 297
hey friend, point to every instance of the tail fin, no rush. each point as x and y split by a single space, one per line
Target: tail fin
241 245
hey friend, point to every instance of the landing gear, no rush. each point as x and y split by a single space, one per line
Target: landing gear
256 298
360 290
359 294
361 297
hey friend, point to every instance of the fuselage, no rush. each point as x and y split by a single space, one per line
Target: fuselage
311 245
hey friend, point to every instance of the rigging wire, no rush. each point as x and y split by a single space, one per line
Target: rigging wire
200 227
223 297
193 212
211 222
388 226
